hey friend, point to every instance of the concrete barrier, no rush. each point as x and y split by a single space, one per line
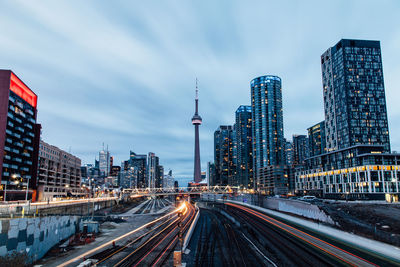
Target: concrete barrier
188 236
297 207
35 236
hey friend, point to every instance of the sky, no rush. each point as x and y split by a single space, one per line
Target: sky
123 73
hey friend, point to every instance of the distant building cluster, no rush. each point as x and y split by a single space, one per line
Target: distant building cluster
345 156
139 171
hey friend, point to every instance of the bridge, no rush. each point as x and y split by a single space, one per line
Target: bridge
181 190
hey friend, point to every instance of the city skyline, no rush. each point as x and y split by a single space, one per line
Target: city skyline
107 80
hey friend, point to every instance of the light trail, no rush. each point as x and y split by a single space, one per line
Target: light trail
118 238
173 241
276 223
144 244
134 241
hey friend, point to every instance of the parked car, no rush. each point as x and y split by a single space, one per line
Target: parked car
308 198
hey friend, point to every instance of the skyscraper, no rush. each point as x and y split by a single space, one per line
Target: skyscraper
152 169
139 163
300 149
160 176
354 95
267 123
288 152
104 162
316 139
225 169
244 158
196 121
19 138
210 173
358 162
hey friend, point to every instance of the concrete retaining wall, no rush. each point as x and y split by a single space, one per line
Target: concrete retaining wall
301 208
35 236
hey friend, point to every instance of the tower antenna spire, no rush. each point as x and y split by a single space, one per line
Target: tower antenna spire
197 90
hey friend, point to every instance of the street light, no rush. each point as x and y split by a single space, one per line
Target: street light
27 186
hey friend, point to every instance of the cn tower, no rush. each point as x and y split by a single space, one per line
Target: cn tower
196 121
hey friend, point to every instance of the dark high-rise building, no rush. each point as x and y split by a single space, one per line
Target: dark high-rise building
225 170
19 138
160 176
152 170
354 95
139 162
288 152
244 157
196 121
267 123
316 139
358 163
211 173
300 149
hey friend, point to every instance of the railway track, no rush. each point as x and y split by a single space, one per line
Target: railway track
292 246
221 244
157 248
284 249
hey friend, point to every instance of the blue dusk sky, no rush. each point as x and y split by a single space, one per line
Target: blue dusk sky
123 72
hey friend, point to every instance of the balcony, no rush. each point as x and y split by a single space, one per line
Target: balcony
32 120
6 148
29 148
18 160
31 134
28 126
30 112
27 140
20 129
5 165
9 132
15 150
9 123
24 169
18 144
19 104
12 99
17 135
6 173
